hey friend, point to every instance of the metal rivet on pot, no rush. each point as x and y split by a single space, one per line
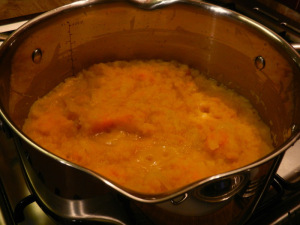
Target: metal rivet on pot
37 55
260 62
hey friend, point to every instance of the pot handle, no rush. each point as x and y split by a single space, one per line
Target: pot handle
221 189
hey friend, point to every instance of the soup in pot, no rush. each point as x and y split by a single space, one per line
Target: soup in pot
150 126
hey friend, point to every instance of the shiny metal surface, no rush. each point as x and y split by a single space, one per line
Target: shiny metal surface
296 46
89 31
14 186
102 206
37 55
260 62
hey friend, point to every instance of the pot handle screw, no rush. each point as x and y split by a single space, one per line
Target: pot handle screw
37 55
260 62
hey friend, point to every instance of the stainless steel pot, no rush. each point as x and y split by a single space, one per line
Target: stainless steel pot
224 45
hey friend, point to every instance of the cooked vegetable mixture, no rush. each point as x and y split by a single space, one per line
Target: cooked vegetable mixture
150 126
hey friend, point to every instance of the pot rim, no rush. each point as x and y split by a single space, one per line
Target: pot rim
151 5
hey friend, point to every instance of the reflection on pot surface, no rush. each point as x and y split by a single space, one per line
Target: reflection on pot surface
218 42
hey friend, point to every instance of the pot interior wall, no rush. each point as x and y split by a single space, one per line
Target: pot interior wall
224 47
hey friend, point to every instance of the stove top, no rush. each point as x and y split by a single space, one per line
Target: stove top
281 204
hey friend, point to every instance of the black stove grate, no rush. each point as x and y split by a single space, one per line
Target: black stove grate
7 211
